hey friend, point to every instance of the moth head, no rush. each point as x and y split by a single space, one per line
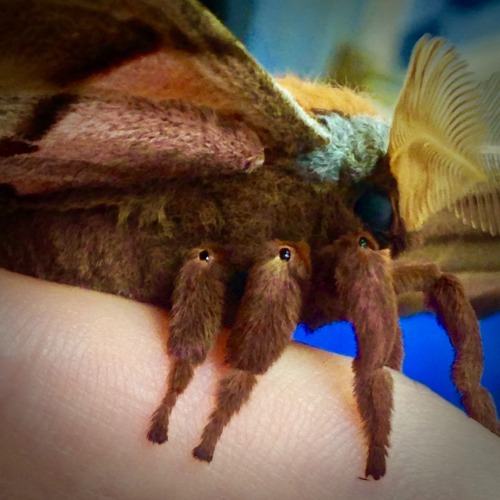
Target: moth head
375 201
426 160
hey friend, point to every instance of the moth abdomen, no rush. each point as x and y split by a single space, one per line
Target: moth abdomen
132 241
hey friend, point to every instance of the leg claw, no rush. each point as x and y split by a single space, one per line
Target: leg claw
201 453
157 433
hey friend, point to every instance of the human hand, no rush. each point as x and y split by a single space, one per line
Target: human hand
82 372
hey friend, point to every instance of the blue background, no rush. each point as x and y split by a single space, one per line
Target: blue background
428 352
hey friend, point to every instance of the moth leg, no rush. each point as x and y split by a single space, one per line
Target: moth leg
395 359
364 284
198 302
269 311
233 391
446 295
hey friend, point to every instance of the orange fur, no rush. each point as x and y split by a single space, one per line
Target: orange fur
314 96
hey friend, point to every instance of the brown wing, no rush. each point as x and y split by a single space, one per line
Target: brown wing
201 103
437 133
471 254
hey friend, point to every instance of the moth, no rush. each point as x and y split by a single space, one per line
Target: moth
145 153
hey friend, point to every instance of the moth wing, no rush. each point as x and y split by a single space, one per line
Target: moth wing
437 133
170 90
116 140
467 252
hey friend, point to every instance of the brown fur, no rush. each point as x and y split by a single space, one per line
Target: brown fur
270 308
454 311
197 307
198 302
445 295
180 375
133 242
234 390
364 288
268 314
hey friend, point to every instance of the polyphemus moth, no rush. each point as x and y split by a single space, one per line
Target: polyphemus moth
145 153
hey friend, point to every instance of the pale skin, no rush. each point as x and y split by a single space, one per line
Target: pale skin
81 373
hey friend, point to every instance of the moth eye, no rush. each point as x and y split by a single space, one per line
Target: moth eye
204 255
363 242
285 254
374 209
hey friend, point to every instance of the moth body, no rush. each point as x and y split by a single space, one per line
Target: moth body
133 242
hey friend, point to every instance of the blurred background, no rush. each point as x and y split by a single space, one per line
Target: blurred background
363 43
366 44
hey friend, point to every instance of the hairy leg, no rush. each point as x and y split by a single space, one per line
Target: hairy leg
268 314
446 296
364 284
196 319
395 360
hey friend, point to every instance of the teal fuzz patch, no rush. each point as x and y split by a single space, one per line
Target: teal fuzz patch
356 145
